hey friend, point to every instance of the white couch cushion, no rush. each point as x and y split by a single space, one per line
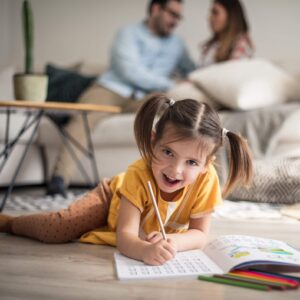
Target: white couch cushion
116 130
246 84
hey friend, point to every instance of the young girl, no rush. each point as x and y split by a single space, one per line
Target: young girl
177 141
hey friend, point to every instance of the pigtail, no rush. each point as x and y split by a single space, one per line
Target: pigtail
240 162
144 121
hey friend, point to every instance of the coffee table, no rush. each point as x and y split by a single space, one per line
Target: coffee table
35 111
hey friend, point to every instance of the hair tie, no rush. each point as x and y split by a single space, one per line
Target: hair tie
171 102
224 132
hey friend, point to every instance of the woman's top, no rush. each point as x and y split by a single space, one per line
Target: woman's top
241 49
192 201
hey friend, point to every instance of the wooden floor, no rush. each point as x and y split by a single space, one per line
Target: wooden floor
32 270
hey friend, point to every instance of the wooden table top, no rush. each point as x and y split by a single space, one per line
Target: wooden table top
61 106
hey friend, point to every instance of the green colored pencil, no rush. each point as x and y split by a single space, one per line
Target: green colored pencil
273 285
235 283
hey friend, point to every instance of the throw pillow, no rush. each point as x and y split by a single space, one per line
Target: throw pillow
187 89
65 85
246 84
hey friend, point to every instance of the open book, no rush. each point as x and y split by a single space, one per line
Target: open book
220 256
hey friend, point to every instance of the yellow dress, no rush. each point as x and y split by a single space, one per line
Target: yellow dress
193 201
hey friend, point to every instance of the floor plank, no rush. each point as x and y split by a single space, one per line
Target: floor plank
33 270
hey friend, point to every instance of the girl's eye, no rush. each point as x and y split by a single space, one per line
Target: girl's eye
192 163
167 152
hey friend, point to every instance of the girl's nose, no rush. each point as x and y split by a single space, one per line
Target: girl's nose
177 170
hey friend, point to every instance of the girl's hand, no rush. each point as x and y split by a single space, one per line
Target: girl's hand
160 252
154 237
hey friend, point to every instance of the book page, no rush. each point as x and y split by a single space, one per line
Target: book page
230 251
185 264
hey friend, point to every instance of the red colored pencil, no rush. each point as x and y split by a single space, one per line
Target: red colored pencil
270 278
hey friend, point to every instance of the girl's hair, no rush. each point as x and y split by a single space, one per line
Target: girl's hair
191 119
236 25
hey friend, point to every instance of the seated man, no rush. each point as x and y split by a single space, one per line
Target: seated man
144 56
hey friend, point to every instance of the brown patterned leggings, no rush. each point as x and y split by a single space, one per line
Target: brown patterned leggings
85 214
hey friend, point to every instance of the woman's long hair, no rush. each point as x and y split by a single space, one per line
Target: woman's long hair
237 25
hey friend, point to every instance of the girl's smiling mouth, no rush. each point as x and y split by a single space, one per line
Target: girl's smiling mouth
169 181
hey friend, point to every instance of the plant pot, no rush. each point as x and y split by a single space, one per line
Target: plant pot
31 87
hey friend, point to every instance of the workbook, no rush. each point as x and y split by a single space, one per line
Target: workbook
220 256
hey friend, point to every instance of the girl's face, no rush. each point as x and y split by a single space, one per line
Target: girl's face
218 18
178 163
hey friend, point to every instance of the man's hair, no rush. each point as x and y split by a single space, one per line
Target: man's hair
161 3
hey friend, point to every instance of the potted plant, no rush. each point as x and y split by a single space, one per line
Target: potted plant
28 85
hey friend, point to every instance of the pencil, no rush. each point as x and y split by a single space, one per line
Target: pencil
273 285
157 211
277 274
248 274
235 283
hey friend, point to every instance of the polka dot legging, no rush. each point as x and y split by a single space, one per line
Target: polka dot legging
85 214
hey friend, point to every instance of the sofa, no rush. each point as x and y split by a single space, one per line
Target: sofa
113 141
271 128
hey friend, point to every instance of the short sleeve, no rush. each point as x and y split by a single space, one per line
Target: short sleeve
133 188
241 49
208 195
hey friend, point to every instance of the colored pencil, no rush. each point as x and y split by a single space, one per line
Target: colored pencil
267 277
277 274
273 285
276 277
235 283
248 274
262 277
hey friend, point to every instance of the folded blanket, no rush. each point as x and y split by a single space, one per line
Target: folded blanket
261 126
270 133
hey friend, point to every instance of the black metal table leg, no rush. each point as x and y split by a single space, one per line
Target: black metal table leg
67 140
10 188
90 147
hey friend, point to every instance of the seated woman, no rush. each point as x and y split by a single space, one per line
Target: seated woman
230 40
230 34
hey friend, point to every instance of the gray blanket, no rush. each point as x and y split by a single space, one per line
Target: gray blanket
260 127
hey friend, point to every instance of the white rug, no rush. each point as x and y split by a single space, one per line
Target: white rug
34 202
246 210
231 210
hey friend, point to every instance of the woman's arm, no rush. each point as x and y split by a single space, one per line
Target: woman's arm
129 243
242 48
194 238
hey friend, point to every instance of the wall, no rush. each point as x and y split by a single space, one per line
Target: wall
68 31
5 33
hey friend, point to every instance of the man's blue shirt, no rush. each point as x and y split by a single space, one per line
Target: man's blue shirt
142 62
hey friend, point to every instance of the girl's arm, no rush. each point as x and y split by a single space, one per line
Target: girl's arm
194 238
129 243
